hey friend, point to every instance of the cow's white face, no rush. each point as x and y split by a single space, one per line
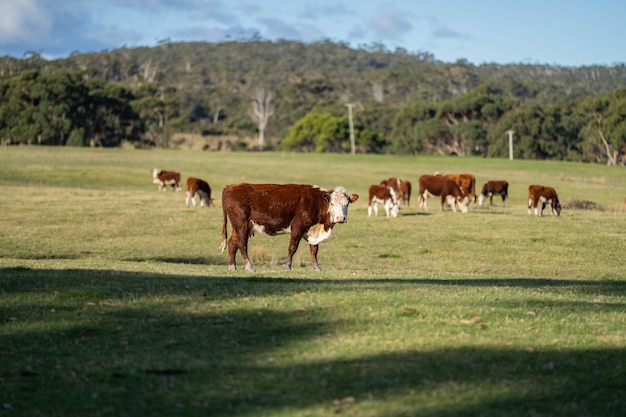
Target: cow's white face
463 205
392 207
481 199
338 204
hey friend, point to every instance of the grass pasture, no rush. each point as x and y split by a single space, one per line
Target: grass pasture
115 301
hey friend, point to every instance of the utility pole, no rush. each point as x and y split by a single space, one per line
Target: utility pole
350 106
510 133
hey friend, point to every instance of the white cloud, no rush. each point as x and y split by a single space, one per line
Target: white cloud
390 24
23 21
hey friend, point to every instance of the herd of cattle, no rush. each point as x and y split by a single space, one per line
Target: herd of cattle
310 212
454 190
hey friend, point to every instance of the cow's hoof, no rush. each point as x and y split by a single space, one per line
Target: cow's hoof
232 268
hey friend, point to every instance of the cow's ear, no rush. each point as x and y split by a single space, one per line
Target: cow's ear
327 197
354 197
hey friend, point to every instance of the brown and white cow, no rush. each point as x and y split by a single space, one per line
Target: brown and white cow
384 195
444 187
491 188
392 182
405 192
201 188
544 195
163 178
401 187
467 183
303 211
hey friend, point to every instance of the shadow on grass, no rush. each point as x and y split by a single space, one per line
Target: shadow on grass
123 357
415 213
201 260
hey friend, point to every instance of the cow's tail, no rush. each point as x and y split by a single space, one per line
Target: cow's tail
224 230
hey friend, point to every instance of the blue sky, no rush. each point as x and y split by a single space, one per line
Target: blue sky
567 32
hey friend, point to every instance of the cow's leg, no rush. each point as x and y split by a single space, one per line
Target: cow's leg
187 198
543 201
294 241
243 249
313 249
424 201
232 251
530 205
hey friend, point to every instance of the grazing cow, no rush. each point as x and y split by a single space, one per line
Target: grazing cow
491 188
405 192
164 178
401 187
542 194
467 183
202 189
440 185
384 195
394 183
303 211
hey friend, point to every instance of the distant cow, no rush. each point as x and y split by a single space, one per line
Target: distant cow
303 211
401 187
392 182
440 185
491 188
163 178
405 192
196 186
384 195
467 183
544 195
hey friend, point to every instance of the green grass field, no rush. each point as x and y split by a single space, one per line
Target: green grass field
115 300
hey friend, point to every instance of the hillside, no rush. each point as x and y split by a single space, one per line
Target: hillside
214 84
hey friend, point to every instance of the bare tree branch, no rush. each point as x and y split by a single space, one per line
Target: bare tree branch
262 110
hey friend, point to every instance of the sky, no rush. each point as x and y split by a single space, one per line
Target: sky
570 33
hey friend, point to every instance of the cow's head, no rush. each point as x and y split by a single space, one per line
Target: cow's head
392 204
557 208
156 172
481 199
338 201
460 201
463 204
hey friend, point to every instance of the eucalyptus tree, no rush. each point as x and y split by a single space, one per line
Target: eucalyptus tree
605 128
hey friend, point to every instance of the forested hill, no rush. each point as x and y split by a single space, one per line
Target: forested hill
209 88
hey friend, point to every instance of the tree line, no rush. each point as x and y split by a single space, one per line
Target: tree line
320 97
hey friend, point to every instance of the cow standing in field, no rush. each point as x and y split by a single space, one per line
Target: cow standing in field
196 186
444 187
392 182
405 192
401 187
163 178
544 195
303 211
467 182
491 188
384 195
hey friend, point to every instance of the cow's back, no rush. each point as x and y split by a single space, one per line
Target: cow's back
438 184
271 205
